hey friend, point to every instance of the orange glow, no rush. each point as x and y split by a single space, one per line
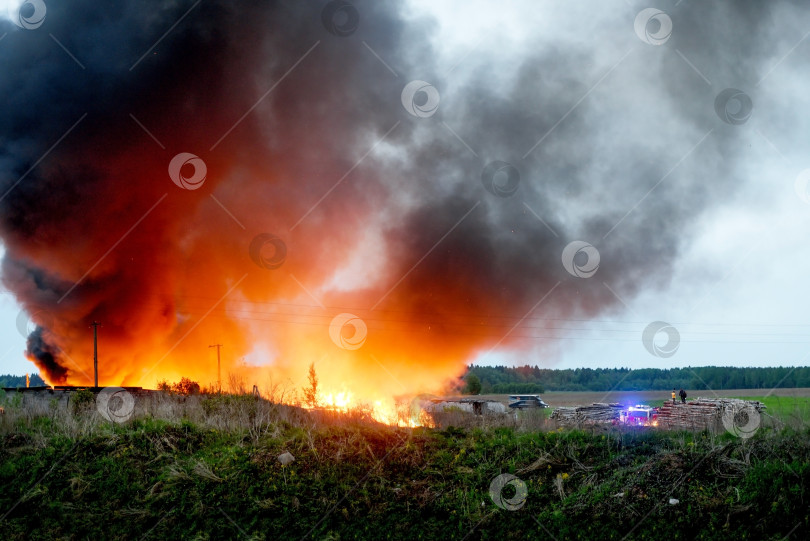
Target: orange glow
283 243
384 411
186 278
166 307
392 362
336 401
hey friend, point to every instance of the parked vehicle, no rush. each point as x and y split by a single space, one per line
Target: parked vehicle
524 401
639 415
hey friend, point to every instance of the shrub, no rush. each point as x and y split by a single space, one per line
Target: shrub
185 387
82 401
311 391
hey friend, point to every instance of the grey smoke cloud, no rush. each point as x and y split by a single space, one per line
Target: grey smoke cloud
330 152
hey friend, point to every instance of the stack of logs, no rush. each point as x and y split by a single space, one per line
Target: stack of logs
697 414
577 415
702 413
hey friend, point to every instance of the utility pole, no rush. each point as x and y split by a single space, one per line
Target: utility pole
219 373
95 351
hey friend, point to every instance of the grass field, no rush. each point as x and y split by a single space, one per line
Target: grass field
648 397
788 409
208 468
787 405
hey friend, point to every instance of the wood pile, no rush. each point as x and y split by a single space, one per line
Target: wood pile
577 415
702 413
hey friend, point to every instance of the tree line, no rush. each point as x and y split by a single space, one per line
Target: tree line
532 379
7 380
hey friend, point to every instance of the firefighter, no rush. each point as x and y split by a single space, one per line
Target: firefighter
673 396
682 394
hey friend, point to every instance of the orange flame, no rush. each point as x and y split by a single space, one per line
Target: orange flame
385 411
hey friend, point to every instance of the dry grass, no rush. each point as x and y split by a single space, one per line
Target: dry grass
260 417
225 448
254 416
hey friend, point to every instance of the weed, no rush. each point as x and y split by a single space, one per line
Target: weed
183 461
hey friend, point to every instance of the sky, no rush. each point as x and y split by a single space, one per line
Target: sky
590 184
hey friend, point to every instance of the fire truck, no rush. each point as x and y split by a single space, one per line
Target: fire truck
639 415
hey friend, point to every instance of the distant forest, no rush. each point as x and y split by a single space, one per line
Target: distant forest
19 381
532 379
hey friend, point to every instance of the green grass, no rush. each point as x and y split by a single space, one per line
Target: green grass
181 478
785 408
788 409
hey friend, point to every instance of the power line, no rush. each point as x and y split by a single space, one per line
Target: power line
452 328
356 309
241 314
